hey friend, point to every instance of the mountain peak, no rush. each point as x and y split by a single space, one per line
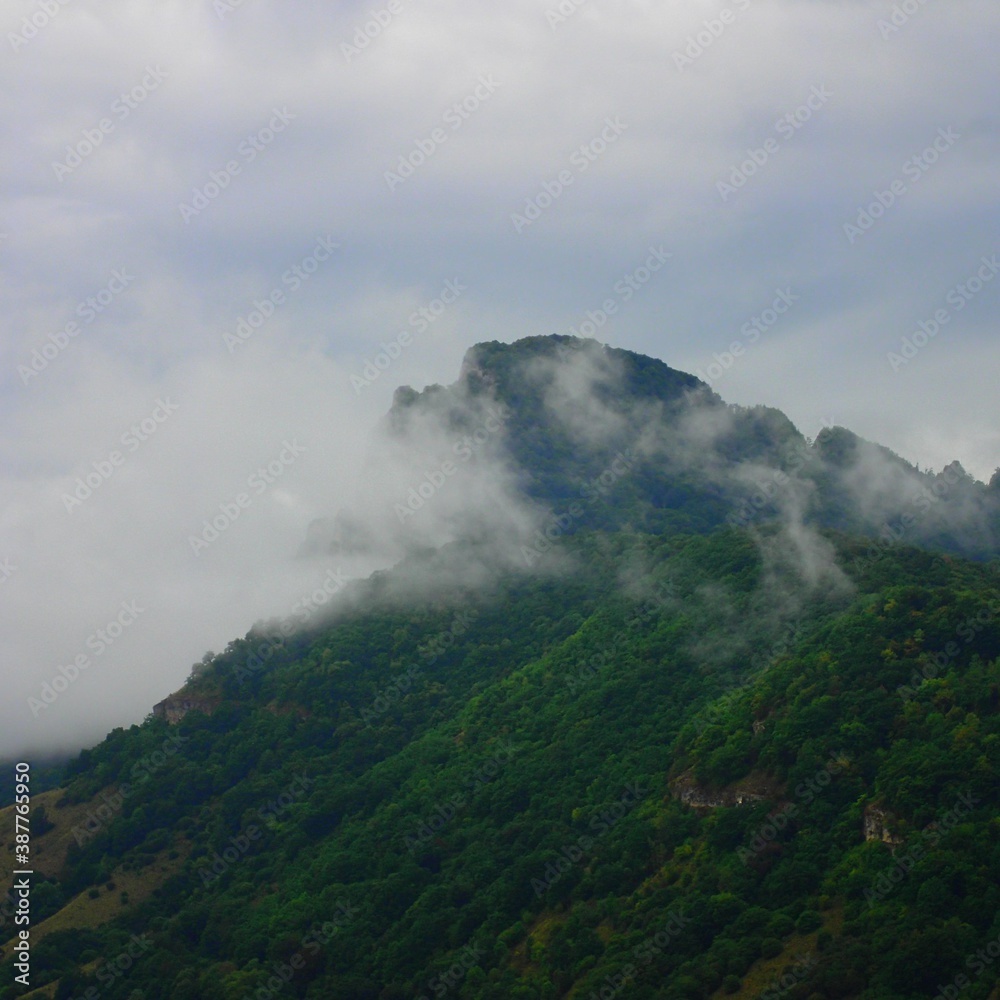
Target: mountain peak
533 426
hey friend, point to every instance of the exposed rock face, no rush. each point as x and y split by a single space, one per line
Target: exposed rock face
878 823
174 708
753 788
700 798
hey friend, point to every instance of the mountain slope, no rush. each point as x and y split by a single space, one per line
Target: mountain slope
568 758
523 805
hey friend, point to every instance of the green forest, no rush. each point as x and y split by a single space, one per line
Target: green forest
505 796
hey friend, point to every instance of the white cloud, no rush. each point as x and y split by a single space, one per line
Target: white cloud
324 175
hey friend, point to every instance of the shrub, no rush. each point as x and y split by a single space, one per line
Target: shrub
770 947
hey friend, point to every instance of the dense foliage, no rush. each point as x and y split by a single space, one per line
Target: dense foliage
481 795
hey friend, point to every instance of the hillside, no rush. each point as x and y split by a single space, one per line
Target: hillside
676 745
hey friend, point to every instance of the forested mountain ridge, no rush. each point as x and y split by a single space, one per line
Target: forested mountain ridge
677 745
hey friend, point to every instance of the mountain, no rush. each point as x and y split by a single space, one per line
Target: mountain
550 420
660 700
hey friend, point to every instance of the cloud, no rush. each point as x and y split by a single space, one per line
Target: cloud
577 385
228 80
103 501
436 470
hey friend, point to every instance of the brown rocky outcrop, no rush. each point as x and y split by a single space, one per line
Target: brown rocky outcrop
752 788
174 708
878 822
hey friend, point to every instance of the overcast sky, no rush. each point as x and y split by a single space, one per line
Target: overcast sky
504 167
